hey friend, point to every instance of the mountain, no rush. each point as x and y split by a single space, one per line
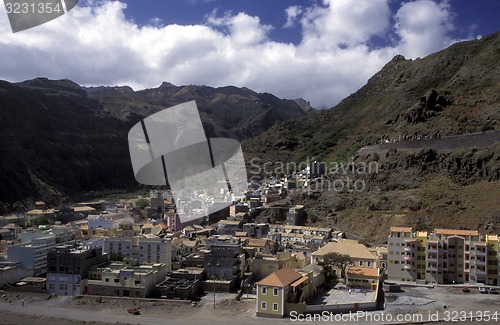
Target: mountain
405 119
233 112
59 140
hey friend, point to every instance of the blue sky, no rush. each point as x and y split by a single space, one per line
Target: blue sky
320 50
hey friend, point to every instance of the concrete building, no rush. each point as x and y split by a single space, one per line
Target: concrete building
123 280
146 250
444 256
257 230
68 267
32 255
228 227
224 258
402 254
237 208
296 216
11 272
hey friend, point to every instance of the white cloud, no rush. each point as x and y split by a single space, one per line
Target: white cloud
423 27
98 45
292 13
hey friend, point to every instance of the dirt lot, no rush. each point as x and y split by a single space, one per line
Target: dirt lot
38 309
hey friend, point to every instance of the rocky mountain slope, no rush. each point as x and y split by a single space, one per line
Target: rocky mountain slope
452 92
58 139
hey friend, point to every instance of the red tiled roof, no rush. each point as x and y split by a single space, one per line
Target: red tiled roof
281 278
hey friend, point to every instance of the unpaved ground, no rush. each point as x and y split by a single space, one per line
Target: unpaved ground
87 310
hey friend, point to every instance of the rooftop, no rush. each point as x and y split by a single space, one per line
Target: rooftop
363 271
346 247
401 229
456 232
281 278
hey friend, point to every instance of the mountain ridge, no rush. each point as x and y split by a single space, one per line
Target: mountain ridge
61 140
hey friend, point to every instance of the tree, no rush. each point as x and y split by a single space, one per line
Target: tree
332 261
142 203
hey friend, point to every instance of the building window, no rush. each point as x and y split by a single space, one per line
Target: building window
263 305
275 291
275 307
360 263
264 291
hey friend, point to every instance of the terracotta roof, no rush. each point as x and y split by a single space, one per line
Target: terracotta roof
300 281
351 248
401 229
257 242
281 278
456 232
363 271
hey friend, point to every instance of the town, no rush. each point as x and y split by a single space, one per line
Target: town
152 247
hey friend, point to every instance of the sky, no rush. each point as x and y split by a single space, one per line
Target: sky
319 50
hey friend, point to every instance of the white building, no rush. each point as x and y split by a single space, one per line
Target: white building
33 254
100 221
146 250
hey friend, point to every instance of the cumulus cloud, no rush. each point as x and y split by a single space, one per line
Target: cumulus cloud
292 13
423 27
97 45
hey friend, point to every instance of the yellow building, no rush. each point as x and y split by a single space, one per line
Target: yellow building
421 253
281 292
363 277
492 241
361 256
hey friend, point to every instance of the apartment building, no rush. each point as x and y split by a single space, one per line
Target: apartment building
493 259
224 257
402 254
144 249
444 256
123 280
68 267
33 253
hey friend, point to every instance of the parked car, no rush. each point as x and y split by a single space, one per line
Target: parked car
483 289
133 311
465 289
493 291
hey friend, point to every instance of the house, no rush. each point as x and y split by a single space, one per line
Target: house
237 208
281 292
228 227
99 221
259 245
360 255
